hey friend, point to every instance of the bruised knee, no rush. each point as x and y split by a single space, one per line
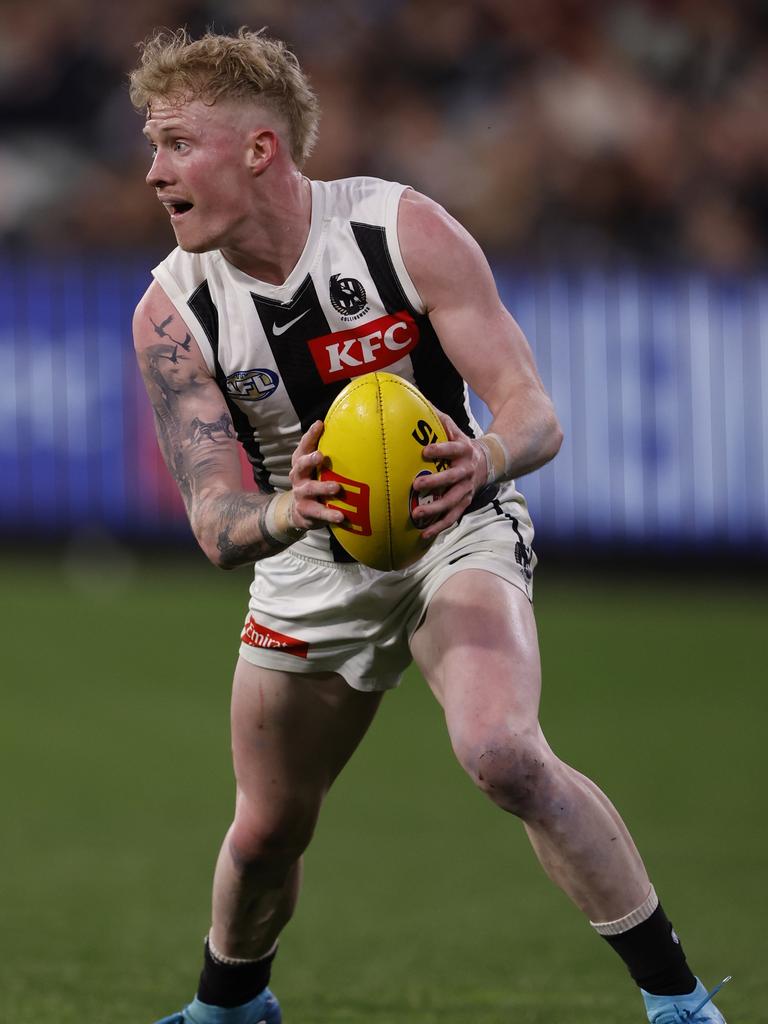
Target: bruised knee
518 774
270 841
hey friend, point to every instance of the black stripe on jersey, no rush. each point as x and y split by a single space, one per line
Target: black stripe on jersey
201 304
289 326
434 374
372 242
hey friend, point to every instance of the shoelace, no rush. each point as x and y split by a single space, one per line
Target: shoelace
690 1015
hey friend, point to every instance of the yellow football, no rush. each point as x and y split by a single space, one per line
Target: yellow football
375 433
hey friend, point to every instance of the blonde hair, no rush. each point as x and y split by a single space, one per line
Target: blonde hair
246 66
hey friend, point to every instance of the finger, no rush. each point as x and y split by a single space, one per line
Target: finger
449 426
309 514
442 508
448 451
441 482
319 511
317 490
310 438
445 509
313 490
306 464
434 529
446 517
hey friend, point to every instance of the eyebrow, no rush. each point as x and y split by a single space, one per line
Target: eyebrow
165 129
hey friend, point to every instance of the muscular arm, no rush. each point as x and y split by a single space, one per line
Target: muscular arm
198 442
486 346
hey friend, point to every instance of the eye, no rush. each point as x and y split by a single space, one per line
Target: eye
179 146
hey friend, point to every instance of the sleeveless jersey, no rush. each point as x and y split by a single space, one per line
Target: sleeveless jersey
281 353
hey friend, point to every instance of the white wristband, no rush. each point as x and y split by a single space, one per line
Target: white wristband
497 457
278 521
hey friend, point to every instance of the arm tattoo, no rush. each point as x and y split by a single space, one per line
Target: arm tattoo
193 449
167 420
207 431
236 509
187 446
161 332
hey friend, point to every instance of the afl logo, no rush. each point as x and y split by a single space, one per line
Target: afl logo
421 501
347 297
252 385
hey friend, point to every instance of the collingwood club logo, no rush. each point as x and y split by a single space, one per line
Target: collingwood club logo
348 297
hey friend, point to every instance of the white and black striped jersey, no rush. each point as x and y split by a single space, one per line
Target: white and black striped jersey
281 353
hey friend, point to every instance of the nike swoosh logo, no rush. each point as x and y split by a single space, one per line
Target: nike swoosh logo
277 331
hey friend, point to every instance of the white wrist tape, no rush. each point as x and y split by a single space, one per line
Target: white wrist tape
497 457
278 520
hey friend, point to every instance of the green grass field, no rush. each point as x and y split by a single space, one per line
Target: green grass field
422 902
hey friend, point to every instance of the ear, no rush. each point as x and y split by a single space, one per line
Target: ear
262 148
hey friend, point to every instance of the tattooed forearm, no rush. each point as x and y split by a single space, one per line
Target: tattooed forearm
197 439
237 513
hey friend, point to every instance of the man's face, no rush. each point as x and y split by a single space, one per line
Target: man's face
200 169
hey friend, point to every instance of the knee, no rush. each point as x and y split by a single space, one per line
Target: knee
518 772
270 840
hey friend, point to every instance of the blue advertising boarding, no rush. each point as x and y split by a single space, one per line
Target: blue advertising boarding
660 382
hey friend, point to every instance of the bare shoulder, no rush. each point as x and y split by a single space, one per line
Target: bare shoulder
455 282
439 252
160 332
153 307
420 217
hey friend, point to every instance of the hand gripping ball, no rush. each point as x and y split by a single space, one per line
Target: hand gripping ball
375 433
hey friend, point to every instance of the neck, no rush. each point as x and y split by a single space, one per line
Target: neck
277 232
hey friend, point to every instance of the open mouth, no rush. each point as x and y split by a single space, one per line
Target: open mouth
177 209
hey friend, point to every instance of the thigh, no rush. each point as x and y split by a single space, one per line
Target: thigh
478 651
325 617
292 733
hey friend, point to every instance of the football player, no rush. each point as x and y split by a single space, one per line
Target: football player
279 292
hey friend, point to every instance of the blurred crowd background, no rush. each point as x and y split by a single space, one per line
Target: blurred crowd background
612 158
610 155
558 130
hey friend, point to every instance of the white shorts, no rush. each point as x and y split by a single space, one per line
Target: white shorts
311 615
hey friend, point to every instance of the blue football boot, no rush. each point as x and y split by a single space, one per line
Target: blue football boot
264 1009
695 1008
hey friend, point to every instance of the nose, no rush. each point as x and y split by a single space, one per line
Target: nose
160 173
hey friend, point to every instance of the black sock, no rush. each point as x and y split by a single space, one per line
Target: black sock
231 985
654 956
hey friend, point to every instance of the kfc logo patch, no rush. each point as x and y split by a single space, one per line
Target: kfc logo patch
256 635
363 349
